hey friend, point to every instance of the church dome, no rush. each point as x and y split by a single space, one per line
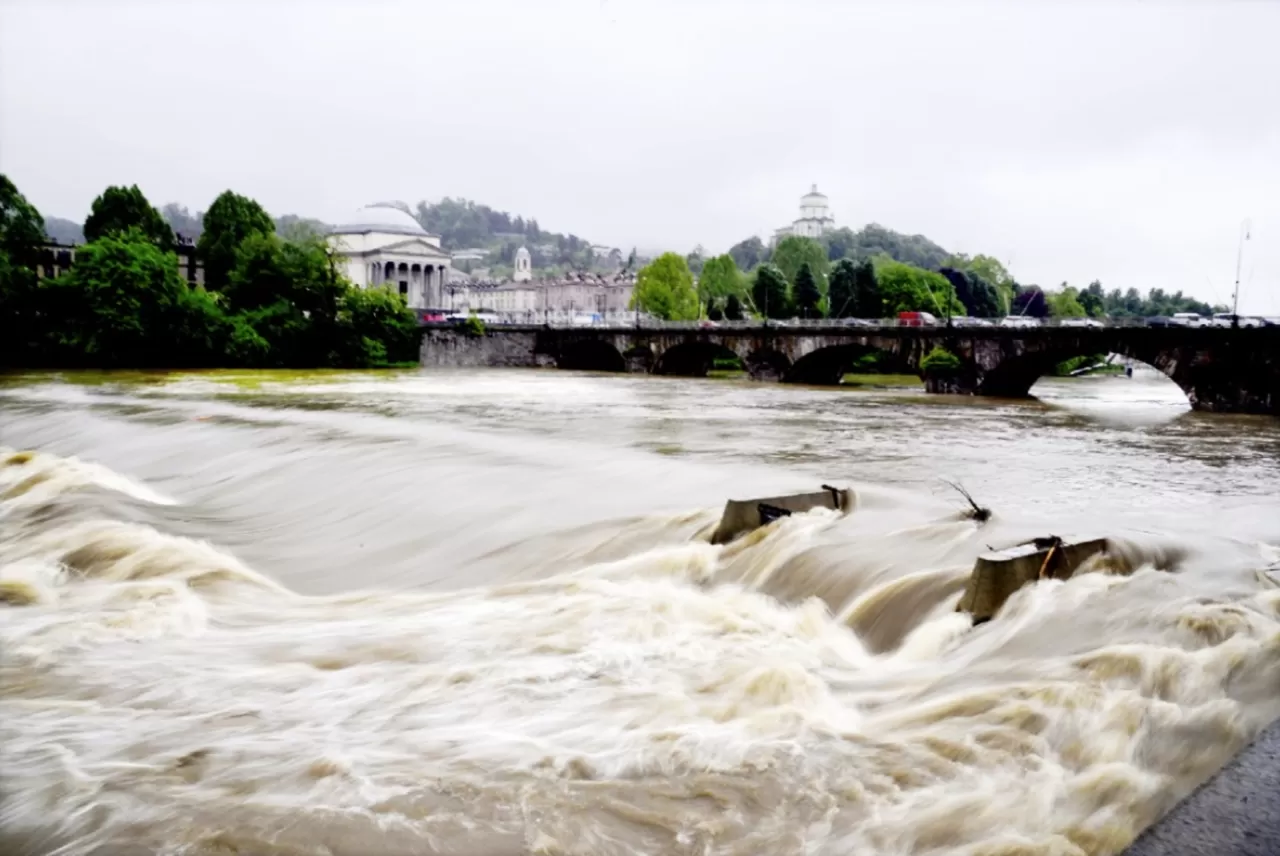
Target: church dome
813 196
380 218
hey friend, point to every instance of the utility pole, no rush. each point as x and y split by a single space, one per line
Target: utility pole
1235 296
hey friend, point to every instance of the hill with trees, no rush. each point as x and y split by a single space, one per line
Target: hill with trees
63 231
464 224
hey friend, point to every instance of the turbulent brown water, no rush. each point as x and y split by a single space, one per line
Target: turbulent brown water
474 613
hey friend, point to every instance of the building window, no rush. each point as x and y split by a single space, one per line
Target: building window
404 287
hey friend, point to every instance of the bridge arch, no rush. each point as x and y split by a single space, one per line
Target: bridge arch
828 365
693 358
591 355
1016 376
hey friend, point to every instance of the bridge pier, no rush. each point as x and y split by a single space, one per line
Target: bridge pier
639 360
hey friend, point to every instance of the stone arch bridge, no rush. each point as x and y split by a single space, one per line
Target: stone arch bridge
1224 370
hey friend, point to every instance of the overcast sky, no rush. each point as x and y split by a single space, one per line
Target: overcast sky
1119 141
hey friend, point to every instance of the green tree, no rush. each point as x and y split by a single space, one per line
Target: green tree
840 296
1029 300
120 209
841 243
125 305
381 328
719 279
807 295
906 288
1094 300
289 292
990 270
1065 303
769 292
229 221
21 226
664 289
733 308
795 251
21 238
940 362
867 300
980 298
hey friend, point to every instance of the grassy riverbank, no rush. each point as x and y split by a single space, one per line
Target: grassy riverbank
869 380
883 381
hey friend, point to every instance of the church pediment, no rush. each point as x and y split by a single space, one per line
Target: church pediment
414 247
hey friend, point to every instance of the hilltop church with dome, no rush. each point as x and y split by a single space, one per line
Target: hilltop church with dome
383 245
815 217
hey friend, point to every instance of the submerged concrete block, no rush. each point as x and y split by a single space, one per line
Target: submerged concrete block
996 576
743 515
1270 576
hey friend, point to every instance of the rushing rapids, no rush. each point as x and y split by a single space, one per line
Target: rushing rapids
336 615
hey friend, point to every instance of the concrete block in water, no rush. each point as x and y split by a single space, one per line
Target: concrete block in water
998 575
1270 576
743 515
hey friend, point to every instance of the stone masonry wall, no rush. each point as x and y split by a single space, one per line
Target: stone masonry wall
453 349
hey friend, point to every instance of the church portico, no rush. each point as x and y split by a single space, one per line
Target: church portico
386 248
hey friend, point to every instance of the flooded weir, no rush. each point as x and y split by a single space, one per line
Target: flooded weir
455 613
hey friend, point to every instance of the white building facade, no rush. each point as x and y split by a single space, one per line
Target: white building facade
605 298
383 246
815 217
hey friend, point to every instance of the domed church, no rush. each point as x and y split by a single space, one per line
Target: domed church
815 217
383 245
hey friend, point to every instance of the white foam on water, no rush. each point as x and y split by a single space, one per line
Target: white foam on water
157 693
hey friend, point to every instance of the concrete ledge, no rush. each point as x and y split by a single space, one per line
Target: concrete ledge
1236 813
743 515
997 575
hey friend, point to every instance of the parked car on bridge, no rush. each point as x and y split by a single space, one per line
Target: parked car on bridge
1019 321
859 322
970 321
1189 319
1080 322
484 317
1227 319
916 319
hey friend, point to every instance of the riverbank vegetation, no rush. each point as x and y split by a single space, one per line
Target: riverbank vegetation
268 301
